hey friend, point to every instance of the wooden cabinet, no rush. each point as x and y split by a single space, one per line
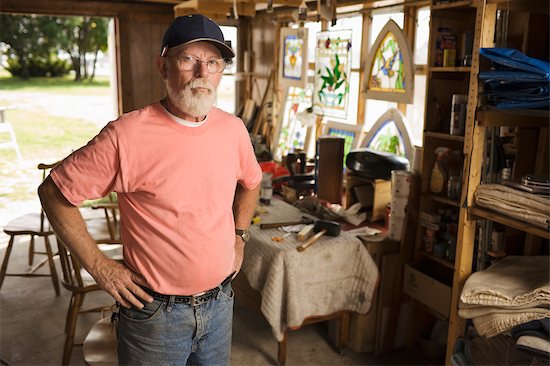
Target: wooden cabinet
444 80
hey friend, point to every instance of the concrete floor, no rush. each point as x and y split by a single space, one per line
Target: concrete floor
32 320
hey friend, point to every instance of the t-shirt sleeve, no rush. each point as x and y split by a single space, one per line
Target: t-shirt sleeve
92 171
251 172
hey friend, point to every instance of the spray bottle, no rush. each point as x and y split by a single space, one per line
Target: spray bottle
439 175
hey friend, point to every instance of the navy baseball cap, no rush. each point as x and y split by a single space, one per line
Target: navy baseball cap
195 28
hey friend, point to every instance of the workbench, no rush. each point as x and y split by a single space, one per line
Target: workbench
334 276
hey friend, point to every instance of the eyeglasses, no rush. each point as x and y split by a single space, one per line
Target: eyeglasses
190 63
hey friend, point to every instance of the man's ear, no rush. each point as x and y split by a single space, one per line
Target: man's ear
161 66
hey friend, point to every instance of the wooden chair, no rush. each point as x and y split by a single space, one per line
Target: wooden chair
35 225
100 345
79 282
110 210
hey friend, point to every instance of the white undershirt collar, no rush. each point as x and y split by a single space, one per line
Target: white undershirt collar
182 121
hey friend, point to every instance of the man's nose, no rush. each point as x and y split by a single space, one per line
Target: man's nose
201 69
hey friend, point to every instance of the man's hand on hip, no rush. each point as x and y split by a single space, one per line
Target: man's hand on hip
121 283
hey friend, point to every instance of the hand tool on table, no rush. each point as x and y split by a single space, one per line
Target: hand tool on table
321 228
272 225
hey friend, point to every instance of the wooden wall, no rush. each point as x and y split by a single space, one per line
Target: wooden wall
263 33
139 30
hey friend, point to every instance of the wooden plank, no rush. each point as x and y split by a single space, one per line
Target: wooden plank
452 5
481 213
473 151
493 117
450 69
76 7
443 136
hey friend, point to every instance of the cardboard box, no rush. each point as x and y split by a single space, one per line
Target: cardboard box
374 195
426 289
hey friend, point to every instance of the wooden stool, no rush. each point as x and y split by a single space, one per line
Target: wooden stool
100 346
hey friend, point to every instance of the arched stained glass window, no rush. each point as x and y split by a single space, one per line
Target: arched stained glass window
390 66
391 134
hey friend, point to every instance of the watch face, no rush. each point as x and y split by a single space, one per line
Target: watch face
244 234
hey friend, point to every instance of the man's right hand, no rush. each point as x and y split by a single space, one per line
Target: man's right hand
120 282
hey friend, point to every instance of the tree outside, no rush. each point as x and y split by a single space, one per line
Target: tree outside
36 45
56 99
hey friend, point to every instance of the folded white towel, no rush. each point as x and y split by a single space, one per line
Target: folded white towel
514 282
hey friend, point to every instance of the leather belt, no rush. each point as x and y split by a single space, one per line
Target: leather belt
193 300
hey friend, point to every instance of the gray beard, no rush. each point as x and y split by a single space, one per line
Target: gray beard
186 101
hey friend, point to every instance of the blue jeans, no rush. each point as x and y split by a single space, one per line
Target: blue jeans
177 334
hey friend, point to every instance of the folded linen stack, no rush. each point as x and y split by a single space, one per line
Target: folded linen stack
511 292
524 206
516 80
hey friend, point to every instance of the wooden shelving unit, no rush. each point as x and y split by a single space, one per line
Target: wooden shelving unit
484 120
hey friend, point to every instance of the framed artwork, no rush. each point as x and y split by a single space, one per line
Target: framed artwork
293 58
332 72
390 67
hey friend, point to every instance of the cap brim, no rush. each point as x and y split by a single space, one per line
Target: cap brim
225 50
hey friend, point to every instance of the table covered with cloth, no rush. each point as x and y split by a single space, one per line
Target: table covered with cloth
334 274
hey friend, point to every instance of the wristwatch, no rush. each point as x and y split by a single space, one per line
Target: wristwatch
244 234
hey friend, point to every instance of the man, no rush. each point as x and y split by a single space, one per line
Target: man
187 183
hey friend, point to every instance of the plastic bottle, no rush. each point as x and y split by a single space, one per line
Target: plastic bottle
438 178
266 189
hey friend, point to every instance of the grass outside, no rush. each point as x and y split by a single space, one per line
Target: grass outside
61 85
41 135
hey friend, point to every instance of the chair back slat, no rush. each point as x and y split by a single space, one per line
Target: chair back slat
45 168
71 267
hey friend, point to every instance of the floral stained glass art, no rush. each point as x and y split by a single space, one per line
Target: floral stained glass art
332 72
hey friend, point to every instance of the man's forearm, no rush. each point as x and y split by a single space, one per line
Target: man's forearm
244 205
69 225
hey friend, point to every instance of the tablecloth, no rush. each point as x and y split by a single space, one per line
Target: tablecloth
334 274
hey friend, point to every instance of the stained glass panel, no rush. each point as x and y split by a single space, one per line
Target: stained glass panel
388 138
292 59
390 67
387 72
332 72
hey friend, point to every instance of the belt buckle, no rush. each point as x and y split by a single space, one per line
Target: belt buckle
194 301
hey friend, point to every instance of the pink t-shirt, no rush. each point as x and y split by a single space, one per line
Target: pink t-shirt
175 187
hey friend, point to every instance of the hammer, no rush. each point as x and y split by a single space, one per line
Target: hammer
271 225
321 227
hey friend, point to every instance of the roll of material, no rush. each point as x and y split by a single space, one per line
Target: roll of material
399 206
396 227
401 181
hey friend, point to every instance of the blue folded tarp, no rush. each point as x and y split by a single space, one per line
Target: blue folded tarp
515 80
517 61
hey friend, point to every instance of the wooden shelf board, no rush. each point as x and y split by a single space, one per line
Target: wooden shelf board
444 136
443 261
476 213
444 200
429 310
496 254
450 68
493 117
451 5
